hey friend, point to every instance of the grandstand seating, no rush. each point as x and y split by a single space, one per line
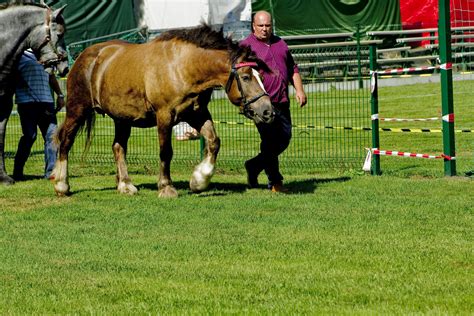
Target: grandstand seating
327 54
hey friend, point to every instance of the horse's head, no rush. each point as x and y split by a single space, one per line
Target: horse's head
47 41
245 89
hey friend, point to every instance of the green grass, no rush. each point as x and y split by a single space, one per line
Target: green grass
342 243
339 244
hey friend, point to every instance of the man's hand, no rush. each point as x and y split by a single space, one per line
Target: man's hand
301 98
59 103
299 90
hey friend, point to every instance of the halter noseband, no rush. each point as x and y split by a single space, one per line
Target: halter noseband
47 38
234 74
47 21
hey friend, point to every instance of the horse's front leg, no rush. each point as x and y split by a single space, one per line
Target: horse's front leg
119 147
205 170
165 185
6 105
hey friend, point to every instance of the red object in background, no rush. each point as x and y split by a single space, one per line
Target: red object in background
462 13
424 13
417 14
420 14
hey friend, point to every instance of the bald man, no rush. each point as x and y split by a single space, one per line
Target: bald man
275 137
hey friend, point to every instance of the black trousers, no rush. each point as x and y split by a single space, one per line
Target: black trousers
275 138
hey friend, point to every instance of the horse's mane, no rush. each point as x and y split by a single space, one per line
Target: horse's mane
205 37
202 36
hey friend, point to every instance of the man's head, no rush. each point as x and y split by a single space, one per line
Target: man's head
262 26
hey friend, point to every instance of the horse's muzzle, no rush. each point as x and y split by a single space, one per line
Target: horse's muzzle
265 116
62 68
48 59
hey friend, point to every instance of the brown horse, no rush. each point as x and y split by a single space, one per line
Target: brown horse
160 83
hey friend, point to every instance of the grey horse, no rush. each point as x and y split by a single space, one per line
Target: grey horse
21 27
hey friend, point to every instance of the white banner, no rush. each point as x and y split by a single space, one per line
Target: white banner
169 14
233 15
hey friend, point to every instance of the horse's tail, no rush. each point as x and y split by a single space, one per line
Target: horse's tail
89 129
56 139
87 123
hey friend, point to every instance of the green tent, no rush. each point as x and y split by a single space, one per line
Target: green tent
328 16
86 19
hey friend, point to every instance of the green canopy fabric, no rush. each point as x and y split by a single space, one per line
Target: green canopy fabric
327 16
86 19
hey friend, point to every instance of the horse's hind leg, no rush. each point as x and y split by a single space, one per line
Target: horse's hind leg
119 147
65 137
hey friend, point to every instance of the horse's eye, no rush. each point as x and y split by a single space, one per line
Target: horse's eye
246 78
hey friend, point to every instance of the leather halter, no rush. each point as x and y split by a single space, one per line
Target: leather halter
47 21
244 108
47 38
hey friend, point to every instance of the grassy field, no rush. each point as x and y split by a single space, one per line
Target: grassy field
342 242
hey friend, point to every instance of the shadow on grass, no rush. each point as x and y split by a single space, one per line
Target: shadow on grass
28 177
310 185
306 186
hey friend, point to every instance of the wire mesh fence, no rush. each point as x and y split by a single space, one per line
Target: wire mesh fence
331 131
326 133
134 35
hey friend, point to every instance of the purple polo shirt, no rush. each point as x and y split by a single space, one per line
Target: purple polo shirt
278 58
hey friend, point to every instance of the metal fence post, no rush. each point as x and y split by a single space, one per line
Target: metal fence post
359 66
374 108
202 147
444 35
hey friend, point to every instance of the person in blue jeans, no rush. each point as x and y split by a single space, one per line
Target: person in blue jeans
35 105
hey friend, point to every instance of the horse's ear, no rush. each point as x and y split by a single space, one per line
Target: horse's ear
44 3
58 12
249 55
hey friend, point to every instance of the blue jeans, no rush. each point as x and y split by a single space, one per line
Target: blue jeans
275 138
33 115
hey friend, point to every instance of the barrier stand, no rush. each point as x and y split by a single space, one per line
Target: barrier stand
444 35
374 108
377 152
447 117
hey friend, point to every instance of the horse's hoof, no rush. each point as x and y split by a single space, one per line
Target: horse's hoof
201 176
168 192
6 180
197 186
61 189
127 188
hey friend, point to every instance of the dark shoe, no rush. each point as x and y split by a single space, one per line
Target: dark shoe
470 173
279 188
18 176
252 176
